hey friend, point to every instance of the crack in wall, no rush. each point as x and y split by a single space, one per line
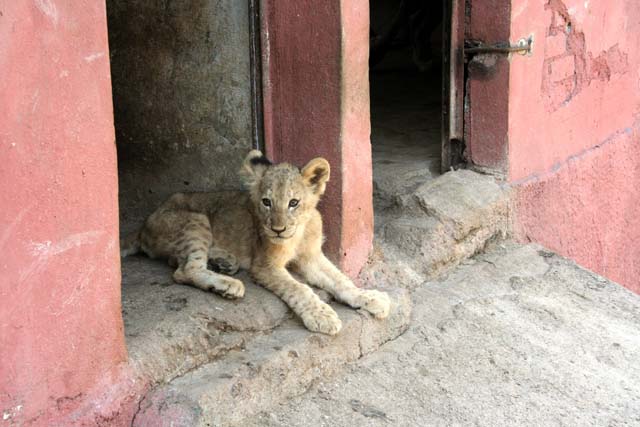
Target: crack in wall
133 419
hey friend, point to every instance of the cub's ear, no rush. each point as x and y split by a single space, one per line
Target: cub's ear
253 167
316 174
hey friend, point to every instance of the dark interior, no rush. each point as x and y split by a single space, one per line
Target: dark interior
406 92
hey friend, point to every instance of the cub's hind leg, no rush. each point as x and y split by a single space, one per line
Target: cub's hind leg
192 254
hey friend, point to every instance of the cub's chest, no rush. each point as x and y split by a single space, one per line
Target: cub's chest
280 255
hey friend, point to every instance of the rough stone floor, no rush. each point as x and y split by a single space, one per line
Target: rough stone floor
516 336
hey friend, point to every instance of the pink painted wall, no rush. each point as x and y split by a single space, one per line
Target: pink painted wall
61 332
316 103
574 132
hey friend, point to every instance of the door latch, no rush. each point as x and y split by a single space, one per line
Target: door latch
473 47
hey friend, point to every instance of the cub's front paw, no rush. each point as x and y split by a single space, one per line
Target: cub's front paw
375 302
234 288
322 318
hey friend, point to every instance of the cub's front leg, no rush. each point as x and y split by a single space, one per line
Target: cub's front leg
316 315
320 272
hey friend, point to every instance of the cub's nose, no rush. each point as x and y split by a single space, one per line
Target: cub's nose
278 230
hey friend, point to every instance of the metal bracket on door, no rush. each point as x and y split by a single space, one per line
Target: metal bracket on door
473 47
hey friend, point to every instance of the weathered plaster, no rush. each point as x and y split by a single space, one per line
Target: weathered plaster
568 67
181 94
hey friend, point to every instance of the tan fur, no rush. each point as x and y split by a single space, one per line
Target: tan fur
261 232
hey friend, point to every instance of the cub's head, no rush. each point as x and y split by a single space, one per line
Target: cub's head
283 196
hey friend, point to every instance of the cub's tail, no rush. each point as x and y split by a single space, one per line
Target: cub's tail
130 244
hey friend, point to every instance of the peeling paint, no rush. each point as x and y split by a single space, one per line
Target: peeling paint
11 412
560 84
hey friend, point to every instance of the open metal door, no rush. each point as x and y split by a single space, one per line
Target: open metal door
452 84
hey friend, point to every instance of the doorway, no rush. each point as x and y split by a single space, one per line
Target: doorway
182 96
406 95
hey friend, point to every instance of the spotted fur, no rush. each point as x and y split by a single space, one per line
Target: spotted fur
269 230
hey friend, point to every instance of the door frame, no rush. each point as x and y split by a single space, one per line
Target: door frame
453 31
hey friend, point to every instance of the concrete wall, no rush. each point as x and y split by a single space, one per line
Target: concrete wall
316 102
181 94
61 332
574 132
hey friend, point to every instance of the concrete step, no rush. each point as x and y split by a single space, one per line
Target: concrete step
267 367
442 222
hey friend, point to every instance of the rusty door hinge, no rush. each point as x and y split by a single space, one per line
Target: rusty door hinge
473 47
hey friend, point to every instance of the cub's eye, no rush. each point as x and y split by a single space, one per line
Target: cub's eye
293 203
266 202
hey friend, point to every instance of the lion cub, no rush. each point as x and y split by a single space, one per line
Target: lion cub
269 230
